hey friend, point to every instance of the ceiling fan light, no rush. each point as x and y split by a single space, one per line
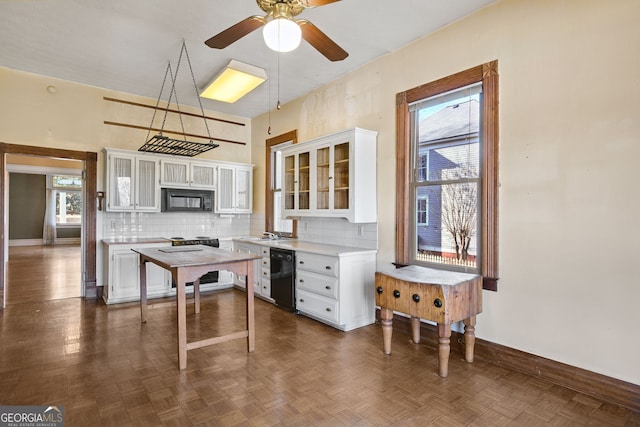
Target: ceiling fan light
282 35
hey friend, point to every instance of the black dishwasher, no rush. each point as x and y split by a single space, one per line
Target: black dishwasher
283 278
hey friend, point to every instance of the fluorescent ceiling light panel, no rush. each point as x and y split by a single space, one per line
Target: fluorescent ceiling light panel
234 81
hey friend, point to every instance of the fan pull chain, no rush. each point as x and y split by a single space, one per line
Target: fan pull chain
278 103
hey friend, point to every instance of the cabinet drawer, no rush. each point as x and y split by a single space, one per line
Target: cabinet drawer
265 285
319 283
319 263
316 305
265 263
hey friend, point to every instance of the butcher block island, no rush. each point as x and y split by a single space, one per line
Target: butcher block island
188 264
436 295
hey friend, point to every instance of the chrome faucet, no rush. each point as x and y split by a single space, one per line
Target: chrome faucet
272 236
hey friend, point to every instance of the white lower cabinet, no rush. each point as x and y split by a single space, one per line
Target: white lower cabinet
265 272
122 270
249 248
261 269
122 267
337 290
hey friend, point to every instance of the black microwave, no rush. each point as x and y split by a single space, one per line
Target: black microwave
181 200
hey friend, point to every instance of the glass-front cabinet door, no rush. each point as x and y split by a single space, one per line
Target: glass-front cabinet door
147 190
297 181
304 170
341 176
290 182
323 178
243 190
120 193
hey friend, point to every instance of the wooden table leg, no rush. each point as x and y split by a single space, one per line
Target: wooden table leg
386 318
196 296
444 335
469 338
182 320
415 329
251 337
143 292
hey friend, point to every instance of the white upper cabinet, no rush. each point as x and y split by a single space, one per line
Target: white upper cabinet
332 176
234 193
132 182
187 174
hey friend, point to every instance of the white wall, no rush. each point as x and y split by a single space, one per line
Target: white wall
569 125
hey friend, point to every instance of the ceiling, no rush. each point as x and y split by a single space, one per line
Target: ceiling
125 45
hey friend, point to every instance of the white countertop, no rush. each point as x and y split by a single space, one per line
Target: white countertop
304 246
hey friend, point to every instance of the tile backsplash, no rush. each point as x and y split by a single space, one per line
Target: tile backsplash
174 224
334 231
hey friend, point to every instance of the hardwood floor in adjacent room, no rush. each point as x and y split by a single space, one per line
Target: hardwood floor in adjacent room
106 368
42 273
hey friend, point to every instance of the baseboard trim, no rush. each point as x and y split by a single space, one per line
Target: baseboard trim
600 386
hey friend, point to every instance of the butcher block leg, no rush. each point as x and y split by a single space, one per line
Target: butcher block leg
415 329
469 338
444 338
386 318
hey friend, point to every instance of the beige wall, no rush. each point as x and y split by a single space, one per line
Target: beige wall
569 126
73 118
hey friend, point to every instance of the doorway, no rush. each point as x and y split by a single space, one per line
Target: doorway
45 229
88 234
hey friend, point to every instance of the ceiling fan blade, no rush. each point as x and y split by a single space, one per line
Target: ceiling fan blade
315 3
321 42
235 32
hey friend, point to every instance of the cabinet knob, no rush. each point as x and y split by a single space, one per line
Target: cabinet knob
396 294
379 289
415 297
301 262
328 267
437 302
328 309
301 280
327 287
301 300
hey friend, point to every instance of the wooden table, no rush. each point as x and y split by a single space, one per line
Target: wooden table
440 296
188 264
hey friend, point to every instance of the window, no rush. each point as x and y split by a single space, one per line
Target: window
422 210
68 194
273 192
280 225
447 140
446 133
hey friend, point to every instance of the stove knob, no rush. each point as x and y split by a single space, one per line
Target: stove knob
415 297
396 294
379 289
437 302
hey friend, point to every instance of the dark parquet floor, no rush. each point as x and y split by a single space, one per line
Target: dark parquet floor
107 369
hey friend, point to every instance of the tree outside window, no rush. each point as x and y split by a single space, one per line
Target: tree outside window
68 199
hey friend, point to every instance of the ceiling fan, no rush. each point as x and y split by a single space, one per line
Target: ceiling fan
279 20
